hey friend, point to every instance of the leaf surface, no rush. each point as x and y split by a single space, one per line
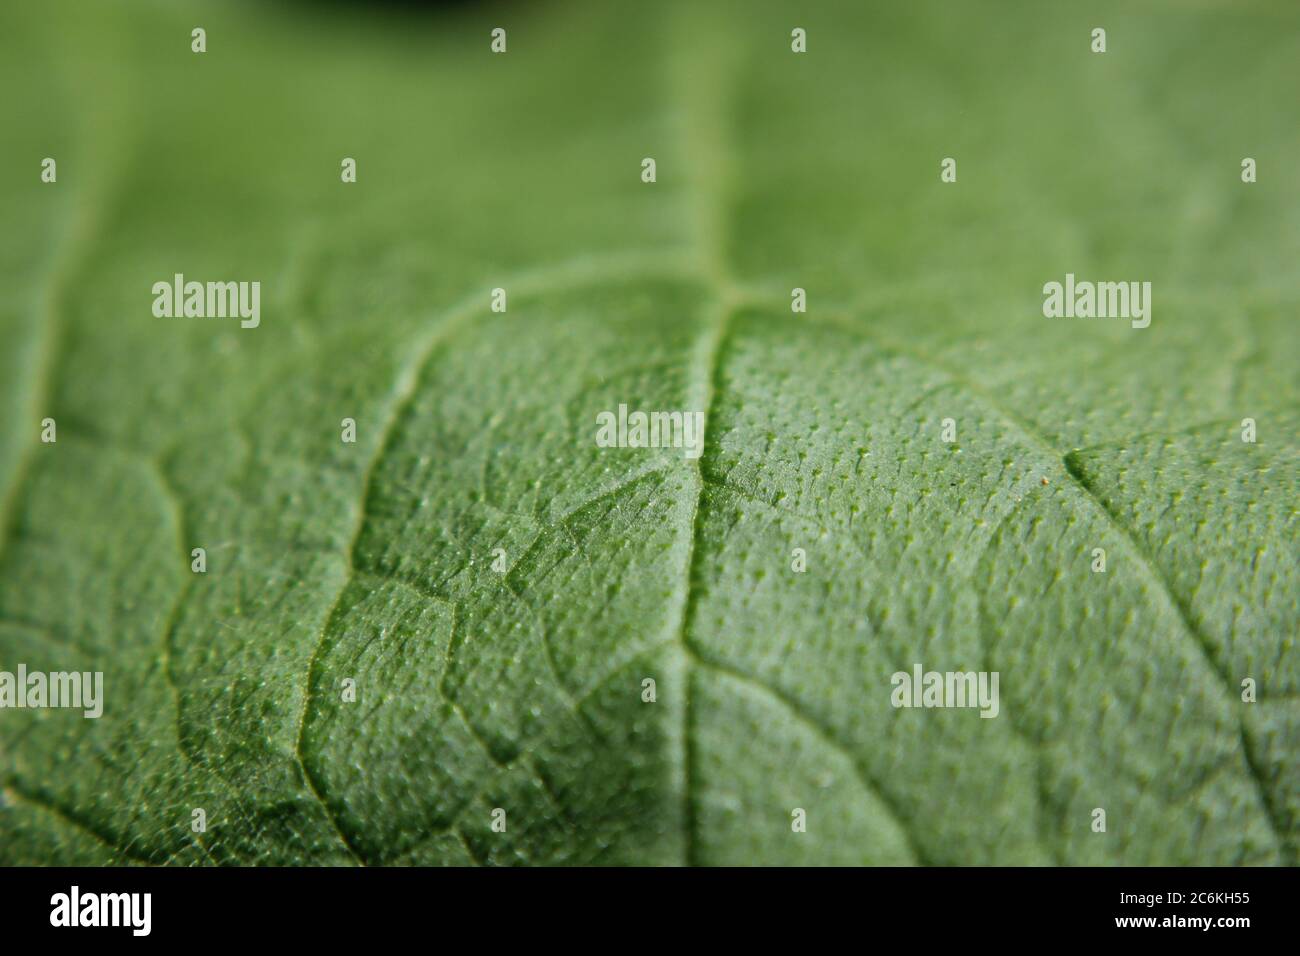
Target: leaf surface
522 690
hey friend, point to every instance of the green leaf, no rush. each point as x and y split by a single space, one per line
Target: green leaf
522 690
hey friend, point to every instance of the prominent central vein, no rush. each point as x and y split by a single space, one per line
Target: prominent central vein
701 72
709 364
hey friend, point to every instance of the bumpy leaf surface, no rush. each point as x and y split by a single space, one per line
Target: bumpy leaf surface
522 690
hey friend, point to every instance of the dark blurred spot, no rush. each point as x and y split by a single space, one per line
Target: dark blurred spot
405 6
